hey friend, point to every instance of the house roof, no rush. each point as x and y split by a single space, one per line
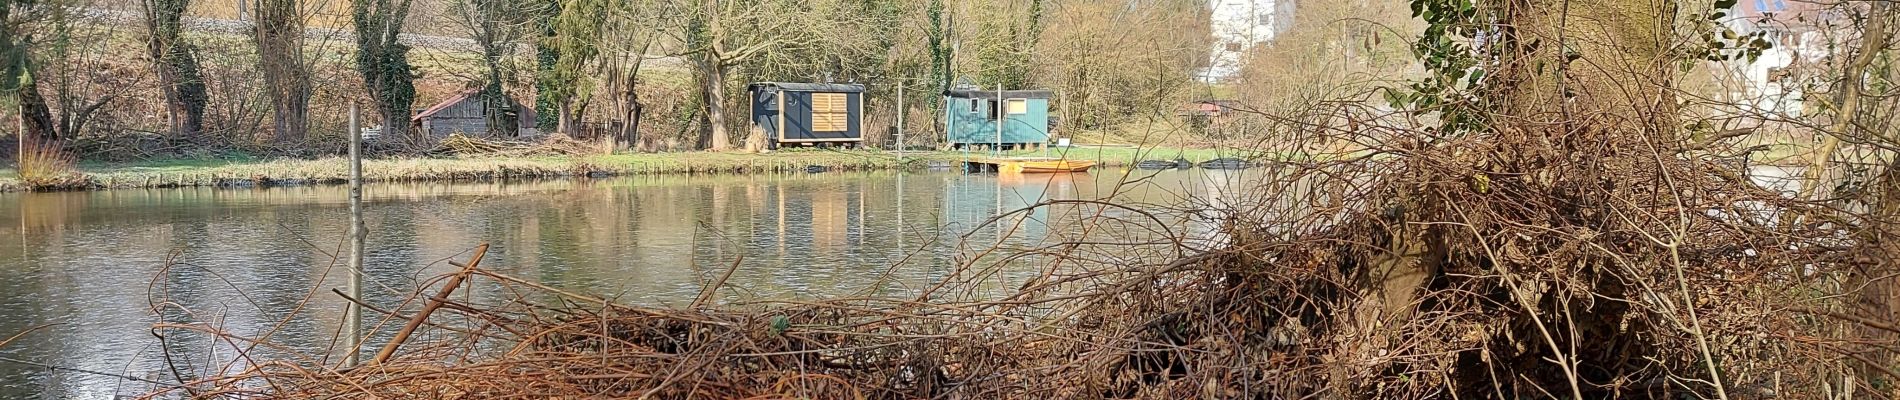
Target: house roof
991 94
458 98
809 87
445 104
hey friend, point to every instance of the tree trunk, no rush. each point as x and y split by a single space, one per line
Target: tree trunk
36 116
714 75
569 122
1619 63
177 67
1878 296
185 95
498 111
279 37
632 127
546 106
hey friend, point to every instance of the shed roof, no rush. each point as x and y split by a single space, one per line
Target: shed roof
810 87
991 94
462 96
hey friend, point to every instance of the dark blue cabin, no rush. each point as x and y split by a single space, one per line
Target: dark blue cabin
809 113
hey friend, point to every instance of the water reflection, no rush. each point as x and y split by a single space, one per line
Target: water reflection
246 259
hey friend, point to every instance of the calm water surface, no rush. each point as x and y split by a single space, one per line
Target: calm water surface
94 264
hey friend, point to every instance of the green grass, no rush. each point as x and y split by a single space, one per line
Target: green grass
242 171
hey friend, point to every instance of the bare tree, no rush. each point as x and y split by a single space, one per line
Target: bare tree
769 37
625 40
23 18
56 69
279 34
496 26
176 64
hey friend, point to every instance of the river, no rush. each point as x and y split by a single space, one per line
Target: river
104 267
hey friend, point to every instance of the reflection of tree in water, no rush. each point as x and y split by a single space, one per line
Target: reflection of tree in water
801 236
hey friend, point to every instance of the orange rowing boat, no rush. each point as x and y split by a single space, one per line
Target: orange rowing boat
1050 166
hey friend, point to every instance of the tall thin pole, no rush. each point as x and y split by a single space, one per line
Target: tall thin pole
353 316
1001 113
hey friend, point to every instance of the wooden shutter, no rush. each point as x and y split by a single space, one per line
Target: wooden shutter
1018 106
828 112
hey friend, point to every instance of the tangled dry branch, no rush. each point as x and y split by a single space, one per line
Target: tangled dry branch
1503 264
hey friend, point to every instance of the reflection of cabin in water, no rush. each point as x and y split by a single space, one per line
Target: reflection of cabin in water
466 113
972 118
808 113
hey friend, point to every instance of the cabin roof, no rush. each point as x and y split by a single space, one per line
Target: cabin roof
458 98
991 94
809 87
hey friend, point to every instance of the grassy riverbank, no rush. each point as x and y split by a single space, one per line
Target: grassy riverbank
248 172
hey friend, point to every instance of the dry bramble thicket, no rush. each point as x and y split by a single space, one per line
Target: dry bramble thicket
1549 230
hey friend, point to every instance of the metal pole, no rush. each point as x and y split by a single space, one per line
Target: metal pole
1000 111
353 316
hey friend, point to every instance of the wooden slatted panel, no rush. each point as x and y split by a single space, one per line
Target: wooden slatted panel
828 112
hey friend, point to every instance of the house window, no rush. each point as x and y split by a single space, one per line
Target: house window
1018 106
828 112
976 106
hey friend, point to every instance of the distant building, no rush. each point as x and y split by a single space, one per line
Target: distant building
467 114
1794 27
1238 26
1211 108
971 118
808 113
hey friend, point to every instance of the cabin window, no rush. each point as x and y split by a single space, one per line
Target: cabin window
1018 106
828 112
976 106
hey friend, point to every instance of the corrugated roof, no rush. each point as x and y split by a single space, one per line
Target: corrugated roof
445 104
991 94
464 96
811 87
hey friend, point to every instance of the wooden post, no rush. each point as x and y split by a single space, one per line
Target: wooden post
353 315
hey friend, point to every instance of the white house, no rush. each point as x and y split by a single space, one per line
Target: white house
1765 86
1238 26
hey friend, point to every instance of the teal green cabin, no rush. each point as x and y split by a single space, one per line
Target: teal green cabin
971 115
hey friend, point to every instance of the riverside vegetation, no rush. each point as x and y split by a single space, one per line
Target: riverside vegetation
1544 204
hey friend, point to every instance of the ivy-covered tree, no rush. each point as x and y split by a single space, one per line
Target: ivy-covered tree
545 56
176 64
384 61
941 68
23 18
571 41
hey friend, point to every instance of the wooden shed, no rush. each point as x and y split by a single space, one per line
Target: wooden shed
971 118
808 113
466 113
